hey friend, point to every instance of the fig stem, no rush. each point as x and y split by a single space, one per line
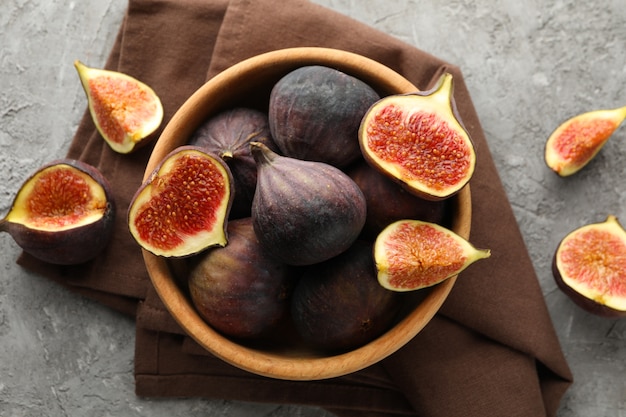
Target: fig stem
443 89
622 113
617 114
226 155
261 153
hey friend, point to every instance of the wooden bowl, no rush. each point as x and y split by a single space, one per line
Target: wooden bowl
249 83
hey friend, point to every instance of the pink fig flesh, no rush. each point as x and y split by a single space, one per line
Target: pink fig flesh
419 141
589 266
63 214
413 254
182 207
578 140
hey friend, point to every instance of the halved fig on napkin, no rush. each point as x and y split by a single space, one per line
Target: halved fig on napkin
125 110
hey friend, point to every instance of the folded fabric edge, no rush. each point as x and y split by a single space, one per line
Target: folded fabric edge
159 376
186 386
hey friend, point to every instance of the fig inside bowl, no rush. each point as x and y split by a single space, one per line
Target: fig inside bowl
249 83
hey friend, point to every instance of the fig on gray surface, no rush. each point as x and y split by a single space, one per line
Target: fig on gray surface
63 213
589 267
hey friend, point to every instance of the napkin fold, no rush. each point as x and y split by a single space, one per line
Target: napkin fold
492 348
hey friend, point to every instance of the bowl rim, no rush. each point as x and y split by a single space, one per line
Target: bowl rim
262 362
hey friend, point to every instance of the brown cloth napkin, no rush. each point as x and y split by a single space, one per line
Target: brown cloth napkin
491 350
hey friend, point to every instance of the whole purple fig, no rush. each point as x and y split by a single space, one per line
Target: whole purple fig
304 212
228 134
315 113
339 305
238 289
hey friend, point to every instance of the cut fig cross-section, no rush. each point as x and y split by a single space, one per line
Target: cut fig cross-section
413 254
590 267
125 110
182 208
418 140
63 213
578 140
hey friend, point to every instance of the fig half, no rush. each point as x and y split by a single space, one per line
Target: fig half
578 140
414 254
182 208
125 110
63 213
590 267
419 141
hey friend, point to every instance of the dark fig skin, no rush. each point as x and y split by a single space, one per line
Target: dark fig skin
239 289
228 134
315 113
581 301
70 246
304 212
387 201
338 305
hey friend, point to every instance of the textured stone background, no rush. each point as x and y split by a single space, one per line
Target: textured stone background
528 65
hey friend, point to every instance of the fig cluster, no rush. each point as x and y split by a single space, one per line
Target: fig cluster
64 212
307 205
588 262
276 211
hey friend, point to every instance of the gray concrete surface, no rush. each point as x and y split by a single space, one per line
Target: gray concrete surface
529 65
